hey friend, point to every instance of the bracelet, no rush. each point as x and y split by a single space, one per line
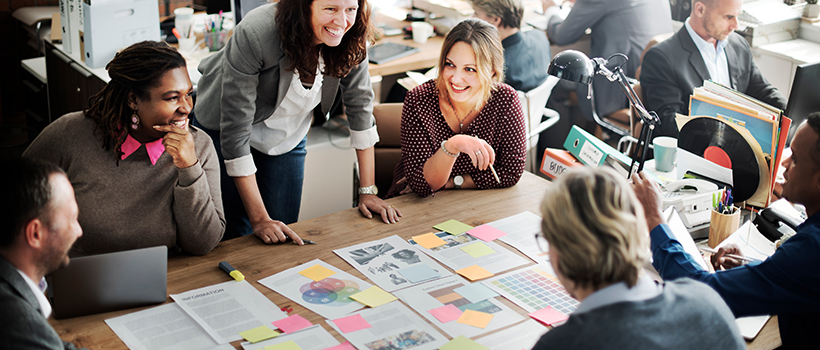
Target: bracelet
446 151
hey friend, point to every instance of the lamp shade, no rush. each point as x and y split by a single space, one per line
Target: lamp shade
573 66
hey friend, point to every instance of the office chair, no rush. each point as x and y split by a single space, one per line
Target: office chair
533 104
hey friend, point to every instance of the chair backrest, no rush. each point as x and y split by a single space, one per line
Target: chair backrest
388 150
533 103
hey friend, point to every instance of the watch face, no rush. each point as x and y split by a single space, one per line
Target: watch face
458 180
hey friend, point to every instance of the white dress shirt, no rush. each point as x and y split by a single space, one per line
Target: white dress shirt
714 57
39 291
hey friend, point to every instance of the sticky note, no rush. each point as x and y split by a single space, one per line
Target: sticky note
453 227
477 249
486 233
317 272
351 323
474 273
419 272
292 324
446 313
549 316
373 297
429 240
475 318
476 292
259 334
463 343
288 345
343 346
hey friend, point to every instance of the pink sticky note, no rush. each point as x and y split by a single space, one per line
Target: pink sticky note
351 323
446 313
343 346
549 316
486 233
292 324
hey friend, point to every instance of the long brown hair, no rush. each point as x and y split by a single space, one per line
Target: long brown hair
137 68
294 23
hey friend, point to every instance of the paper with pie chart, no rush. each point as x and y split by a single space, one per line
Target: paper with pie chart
328 297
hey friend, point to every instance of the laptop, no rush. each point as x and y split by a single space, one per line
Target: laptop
383 53
109 282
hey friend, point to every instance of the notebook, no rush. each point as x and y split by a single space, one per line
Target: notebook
109 282
383 53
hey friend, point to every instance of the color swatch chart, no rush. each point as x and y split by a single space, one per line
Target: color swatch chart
533 289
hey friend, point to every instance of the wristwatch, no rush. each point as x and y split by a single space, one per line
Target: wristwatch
369 190
458 180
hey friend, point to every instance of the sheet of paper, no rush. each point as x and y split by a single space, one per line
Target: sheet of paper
329 297
373 297
750 326
453 227
681 234
317 272
486 233
343 346
288 345
312 338
394 323
258 334
226 309
165 327
476 292
752 243
549 316
382 259
292 323
521 230
474 273
522 336
446 313
441 292
475 318
419 273
429 240
453 256
533 288
463 343
351 323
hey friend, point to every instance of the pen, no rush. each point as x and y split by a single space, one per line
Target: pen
231 271
306 241
733 256
495 175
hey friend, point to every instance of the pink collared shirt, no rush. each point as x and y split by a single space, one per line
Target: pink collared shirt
154 148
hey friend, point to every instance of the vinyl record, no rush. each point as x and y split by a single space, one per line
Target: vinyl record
721 143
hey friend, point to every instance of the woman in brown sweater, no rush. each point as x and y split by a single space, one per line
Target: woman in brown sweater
142 176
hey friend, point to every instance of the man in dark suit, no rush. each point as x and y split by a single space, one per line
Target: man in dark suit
37 228
705 48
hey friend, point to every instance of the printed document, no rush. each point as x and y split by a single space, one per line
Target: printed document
162 327
521 336
312 338
521 230
458 253
393 326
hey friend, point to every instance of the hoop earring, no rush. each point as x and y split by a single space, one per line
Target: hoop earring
135 121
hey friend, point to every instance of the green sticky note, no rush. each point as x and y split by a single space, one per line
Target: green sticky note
477 249
453 227
288 345
373 297
463 343
258 334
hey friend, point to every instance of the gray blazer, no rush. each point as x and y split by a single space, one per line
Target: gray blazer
22 325
243 83
618 26
674 67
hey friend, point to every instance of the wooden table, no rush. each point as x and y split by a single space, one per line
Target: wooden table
427 56
257 260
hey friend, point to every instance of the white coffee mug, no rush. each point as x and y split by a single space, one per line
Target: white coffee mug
421 31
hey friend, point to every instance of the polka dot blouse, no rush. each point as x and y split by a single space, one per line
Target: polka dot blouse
423 127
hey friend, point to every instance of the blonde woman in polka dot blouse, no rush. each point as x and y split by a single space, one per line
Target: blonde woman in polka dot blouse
455 128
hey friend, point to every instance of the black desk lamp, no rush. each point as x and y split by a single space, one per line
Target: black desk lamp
575 66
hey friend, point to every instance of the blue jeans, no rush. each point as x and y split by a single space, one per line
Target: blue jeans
279 179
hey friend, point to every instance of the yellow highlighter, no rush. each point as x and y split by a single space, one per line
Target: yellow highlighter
231 271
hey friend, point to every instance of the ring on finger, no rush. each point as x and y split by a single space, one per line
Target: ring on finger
478 153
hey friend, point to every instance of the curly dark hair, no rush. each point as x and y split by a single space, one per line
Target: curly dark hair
294 23
137 68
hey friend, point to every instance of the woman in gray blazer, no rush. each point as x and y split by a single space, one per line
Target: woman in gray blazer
285 64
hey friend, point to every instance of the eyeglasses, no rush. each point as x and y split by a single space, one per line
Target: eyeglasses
542 243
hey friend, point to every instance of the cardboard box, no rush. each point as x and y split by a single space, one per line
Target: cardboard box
111 26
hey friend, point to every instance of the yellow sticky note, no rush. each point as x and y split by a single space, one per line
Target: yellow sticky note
429 240
474 273
259 334
288 345
475 318
477 249
317 272
373 297
463 343
453 227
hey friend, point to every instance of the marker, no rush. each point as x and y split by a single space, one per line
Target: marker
176 33
495 175
306 241
231 271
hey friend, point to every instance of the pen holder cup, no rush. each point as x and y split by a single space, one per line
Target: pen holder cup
722 226
216 40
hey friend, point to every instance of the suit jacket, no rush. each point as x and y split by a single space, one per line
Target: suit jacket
673 68
243 84
22 325
618 26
